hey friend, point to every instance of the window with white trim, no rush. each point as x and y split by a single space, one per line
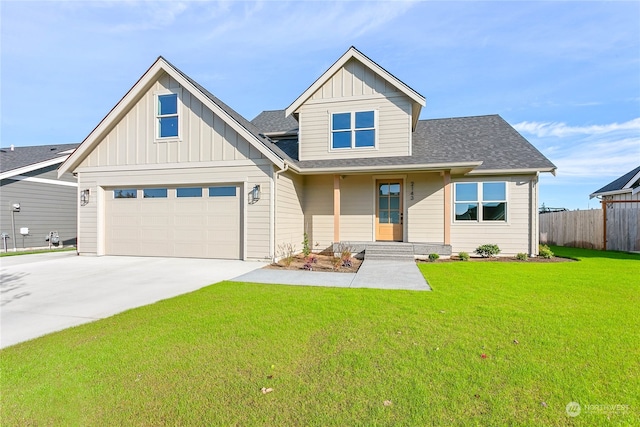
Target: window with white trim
167 115
353 130
480 202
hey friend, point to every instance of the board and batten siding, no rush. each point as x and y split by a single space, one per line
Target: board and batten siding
44 207
208 151
289 213
355 88
203 135
513 236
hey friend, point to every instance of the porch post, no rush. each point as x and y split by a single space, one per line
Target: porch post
447 207
336 208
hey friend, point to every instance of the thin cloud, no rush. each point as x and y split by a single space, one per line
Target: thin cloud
562 130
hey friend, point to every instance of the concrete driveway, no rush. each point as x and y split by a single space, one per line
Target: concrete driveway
49 292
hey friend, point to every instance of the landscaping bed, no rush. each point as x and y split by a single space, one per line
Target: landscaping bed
323 262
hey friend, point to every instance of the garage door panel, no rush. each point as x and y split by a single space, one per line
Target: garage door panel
198 227
154 249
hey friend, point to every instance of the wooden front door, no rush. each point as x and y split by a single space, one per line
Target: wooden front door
389 210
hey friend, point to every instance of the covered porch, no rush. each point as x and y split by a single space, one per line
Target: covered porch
384 212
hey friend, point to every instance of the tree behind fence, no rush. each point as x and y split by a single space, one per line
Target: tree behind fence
584 229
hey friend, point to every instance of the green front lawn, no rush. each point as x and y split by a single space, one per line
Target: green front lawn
551 333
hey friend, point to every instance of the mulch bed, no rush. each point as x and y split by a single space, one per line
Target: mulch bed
323 263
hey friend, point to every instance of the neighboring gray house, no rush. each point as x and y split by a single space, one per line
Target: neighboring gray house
627 187
48 203
173 171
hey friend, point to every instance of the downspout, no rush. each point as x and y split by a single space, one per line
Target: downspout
272 207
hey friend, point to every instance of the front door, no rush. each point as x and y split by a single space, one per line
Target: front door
389 210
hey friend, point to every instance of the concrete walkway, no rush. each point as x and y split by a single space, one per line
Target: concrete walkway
376 274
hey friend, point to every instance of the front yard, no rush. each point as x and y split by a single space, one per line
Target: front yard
493 344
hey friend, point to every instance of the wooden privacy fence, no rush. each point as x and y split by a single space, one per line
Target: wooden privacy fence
586 229
577 229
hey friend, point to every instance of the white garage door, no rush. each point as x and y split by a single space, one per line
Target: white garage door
191 222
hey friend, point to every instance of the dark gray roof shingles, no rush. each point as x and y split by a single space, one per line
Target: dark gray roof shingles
250 127
619 183
275 121
25 156
487 139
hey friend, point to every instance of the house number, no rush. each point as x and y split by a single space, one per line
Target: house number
411 194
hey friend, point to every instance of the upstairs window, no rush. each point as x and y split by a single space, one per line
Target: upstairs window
353 130
167 115
485 201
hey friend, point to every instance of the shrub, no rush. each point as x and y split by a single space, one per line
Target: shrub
306 250
287 252
433 257
464 256
522 256
309 261
488 251
545 252
345 255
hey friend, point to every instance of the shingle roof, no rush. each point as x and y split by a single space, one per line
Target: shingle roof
275 121
619 183
487 139
25 156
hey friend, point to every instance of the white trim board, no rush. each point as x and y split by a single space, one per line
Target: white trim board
33 167
43 181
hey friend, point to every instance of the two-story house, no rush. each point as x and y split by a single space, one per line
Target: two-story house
173 171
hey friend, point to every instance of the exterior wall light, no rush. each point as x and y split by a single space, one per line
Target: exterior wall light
255 193
84 197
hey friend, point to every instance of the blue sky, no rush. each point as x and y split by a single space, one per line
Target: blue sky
565 74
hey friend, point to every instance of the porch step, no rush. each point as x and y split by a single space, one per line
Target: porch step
397 251
393 250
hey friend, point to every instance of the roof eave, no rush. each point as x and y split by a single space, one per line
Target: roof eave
458 167
33 167
516 171
611 193
632 181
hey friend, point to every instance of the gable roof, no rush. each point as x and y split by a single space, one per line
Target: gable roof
21 160
627 183
230 116
353 53
477 145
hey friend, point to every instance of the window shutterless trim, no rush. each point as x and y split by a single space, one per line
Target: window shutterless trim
480 203
353 130
158 116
